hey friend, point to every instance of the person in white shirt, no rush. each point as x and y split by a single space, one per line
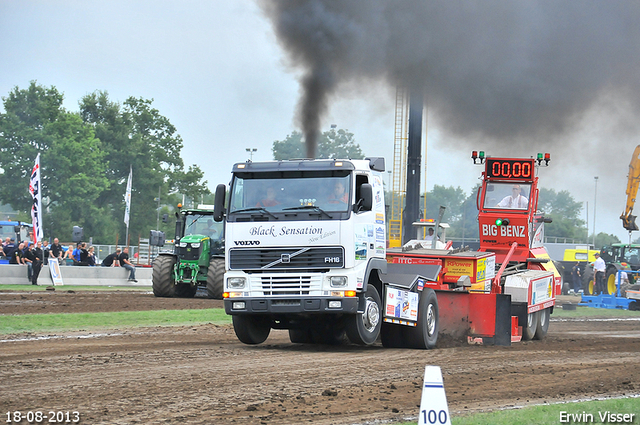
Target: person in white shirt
599 268
515 200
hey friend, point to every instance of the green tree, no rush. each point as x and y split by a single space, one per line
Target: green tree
332 144
136 135
71 160
565 213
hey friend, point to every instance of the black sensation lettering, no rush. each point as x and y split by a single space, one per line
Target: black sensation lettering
517 169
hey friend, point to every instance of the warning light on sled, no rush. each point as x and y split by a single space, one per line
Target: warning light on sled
502 222
475 155
546 158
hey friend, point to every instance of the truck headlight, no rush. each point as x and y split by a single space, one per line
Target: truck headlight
195 245
338 281
236 282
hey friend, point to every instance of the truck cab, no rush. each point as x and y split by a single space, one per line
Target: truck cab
305 240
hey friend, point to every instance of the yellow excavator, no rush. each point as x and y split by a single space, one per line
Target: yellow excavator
628 220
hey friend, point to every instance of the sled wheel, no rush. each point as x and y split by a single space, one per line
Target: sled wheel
251 329
529 328
543 324
363 327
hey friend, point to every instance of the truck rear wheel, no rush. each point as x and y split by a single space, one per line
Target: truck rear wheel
251 329
543 324
529 328
363 327
425 334
162 276
215 277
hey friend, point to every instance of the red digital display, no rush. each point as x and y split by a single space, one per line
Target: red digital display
510 169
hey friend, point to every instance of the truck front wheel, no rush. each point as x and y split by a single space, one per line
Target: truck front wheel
363 327
162 276
251 329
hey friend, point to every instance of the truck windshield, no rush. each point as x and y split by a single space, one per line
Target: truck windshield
199 224
507 196
328 193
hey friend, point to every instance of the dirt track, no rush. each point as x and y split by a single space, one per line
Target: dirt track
203 375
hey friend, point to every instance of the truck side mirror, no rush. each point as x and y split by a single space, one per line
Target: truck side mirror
365 201
218 206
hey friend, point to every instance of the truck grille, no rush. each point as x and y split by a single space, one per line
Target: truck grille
285 285
286 258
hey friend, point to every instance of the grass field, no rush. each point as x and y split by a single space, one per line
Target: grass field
588 412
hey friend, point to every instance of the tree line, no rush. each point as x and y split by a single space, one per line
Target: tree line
85 158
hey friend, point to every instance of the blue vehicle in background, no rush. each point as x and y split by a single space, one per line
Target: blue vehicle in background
18 230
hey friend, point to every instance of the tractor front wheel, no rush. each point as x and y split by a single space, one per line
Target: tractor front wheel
162 276
215 278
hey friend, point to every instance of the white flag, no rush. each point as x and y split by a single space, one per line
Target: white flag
127 199
36 206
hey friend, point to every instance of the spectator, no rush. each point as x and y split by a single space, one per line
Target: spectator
38 258
111 260
9 247
599 268
46 250
68 256
16 255
76 254
2 256
56 249
84 254
124 262
28 258
576 277
91 256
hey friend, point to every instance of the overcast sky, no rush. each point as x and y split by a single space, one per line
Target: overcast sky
217 71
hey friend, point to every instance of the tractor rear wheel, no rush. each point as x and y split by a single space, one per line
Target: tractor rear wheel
162 276
610 281
251 329
588 285
215 278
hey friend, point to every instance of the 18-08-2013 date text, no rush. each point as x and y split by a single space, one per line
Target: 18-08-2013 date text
37 417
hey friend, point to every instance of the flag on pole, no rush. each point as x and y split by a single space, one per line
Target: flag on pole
36 206
127 199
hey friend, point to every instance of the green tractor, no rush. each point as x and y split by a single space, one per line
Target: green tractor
197 259
617 257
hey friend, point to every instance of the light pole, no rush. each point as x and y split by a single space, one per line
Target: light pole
251 151
595 200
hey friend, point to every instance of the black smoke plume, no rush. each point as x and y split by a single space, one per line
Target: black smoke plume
492 70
